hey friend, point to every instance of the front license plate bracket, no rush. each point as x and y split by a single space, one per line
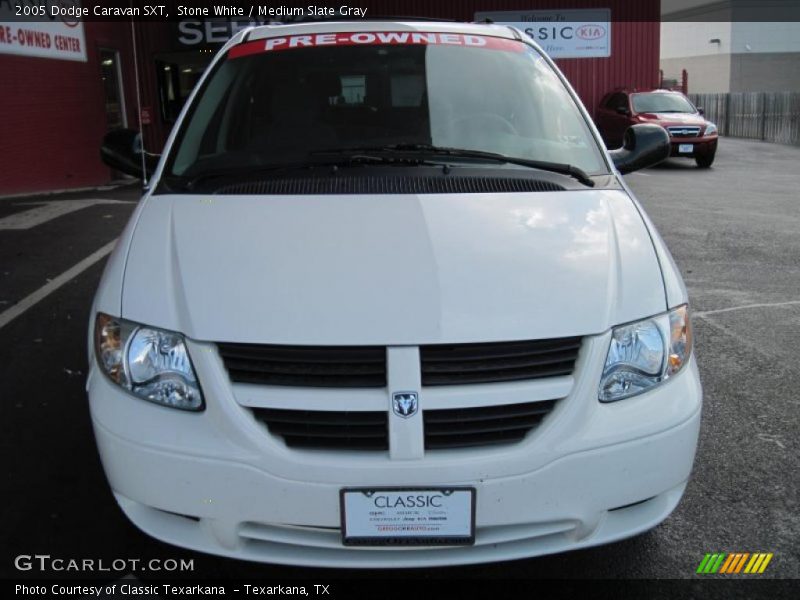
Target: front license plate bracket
419 516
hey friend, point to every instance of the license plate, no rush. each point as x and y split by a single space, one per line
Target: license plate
686 148
408 516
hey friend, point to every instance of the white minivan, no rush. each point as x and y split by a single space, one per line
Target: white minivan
387 301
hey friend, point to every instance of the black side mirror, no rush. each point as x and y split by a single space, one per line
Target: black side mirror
644 146
700 110
623 110
122 150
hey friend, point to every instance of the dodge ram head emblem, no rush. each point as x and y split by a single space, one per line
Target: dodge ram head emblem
405 404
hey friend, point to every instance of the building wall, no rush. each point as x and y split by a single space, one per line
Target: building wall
693 38
765 56
751 56
765 37
765 72
53 115
711 73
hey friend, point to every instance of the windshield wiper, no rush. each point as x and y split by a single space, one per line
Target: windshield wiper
365 156
432 150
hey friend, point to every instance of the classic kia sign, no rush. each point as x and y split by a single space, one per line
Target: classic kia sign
561 33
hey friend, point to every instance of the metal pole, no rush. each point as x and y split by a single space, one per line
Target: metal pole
138 99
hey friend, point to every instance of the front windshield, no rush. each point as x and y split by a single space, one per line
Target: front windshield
280 101
661 103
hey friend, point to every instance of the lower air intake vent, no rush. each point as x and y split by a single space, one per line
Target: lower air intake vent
483 425
458 364
389 185
305 366
337 430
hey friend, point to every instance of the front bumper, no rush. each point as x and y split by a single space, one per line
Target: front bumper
703 147
217 482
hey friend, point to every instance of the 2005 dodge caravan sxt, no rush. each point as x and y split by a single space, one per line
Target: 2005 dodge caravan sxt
388 302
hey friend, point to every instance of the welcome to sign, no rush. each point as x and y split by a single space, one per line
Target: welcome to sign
561 33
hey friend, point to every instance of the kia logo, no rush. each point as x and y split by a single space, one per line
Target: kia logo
591 32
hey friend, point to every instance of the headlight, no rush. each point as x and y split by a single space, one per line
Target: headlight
645 353
711 129
152 364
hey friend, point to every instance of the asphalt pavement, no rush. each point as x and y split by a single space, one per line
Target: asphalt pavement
733 231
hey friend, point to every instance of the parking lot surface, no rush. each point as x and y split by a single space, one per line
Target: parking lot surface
733 231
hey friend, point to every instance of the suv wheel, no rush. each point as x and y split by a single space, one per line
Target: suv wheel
704 161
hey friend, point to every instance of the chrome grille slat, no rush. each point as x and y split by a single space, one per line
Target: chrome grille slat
684 131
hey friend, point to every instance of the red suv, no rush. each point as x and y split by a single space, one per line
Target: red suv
690 134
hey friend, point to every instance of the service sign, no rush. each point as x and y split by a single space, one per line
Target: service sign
32 29
561 33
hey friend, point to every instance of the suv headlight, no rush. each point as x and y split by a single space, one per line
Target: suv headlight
646 353
151 363
710 129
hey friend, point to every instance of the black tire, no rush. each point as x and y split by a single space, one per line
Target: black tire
705 161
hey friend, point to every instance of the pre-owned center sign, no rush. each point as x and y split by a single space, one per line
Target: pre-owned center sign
561 33
28 29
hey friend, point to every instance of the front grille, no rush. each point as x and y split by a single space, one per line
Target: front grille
458 364
688 131
305 366
483 425
365 366
338 430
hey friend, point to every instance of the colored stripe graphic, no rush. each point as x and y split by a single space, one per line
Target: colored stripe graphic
718 564
711 563
740 564
733 563
754 563
703 563
728 562
765 563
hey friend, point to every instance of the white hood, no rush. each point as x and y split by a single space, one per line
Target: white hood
391 270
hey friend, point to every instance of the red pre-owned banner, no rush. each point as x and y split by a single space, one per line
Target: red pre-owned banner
368 38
